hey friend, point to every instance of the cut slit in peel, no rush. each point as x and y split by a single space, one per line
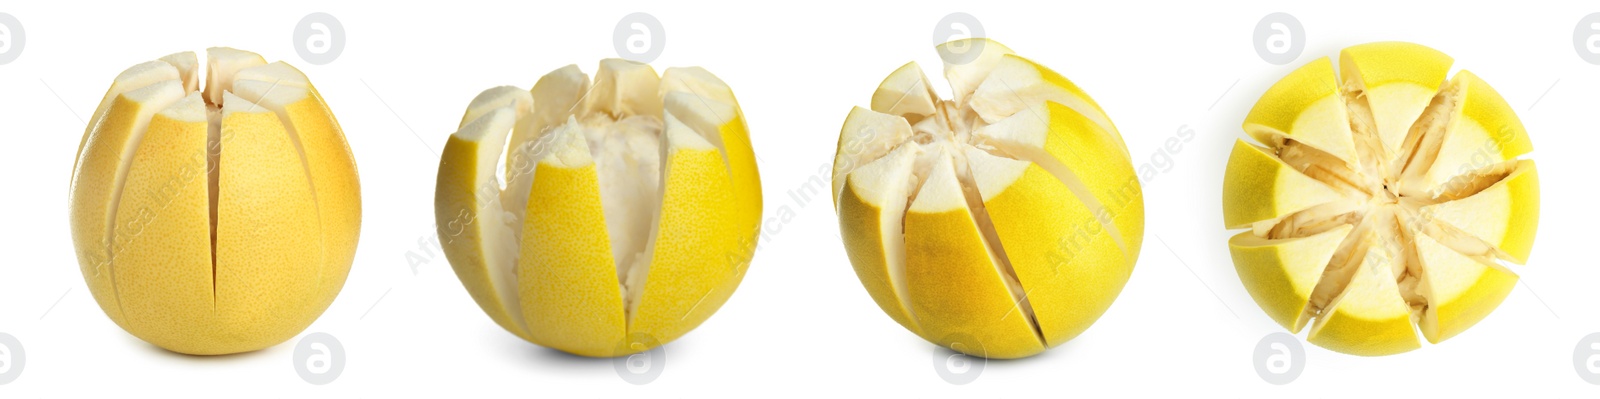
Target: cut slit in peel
1426 216
586 241
170 241
949 165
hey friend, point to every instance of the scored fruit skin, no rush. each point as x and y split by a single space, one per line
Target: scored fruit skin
1059 247
288 216
1270 187
1397 80
464 164
953 285
568 260
169 285
1073 280
566 291
1283 272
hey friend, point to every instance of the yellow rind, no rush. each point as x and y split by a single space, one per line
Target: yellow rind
1512 232
1462 291
100 178
1306 106
466 168
1398 79
871 208
1061 254
954 283
1369 318
1485 131
164 270
335 182
696 260
1092 154
268 248
1261 187
1281 274
566 276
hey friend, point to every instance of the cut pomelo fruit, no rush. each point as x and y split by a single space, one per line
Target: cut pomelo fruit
627 205
1010 215
214 221
1383 203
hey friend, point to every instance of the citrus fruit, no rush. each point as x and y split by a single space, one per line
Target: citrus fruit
214 220
998 223
1381 201
627 206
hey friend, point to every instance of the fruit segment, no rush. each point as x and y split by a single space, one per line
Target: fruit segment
215 219
1388 85
872 211
480 248
1467 288
629 205
1305 107
1368 317
1421 181
566 257
170 285
1281 273
999 223
958 282
1266 188
268 233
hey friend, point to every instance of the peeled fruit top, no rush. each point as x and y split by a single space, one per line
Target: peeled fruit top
1382 200
999 223
214 220
624 213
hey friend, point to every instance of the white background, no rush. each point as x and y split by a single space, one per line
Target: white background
800 324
